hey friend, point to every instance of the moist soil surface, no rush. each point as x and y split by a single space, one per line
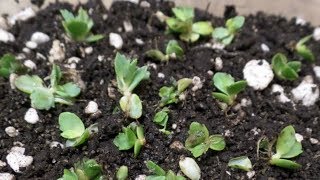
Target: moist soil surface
242 128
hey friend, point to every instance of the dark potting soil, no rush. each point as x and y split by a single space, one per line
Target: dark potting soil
243 128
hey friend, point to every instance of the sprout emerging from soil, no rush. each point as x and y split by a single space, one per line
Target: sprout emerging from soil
132 137
79 27
73 129
9 64
199 141
242 162
43 97
284 69
128 77
303 50
228 87
226 35
86 169
173 51
122 173
160 174
183 24
161 118
171 94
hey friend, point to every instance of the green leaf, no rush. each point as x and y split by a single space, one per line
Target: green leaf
242 162
228 39
286 140
217 142
9 64
220 33
94 38
168 95
289 74
222 81
295 65
283 69
234 24
177 25
295 150
91 169
125 140
303 50
183 13
42 98
70 125
236 87
122 173
78 141
161 118
183 84
155 169
66 15
154 177
203 28
55 76
199 150
137 147
172 176
28 83
223 97
77 30
132 106
189 37
198 133
174 48
71 89
284 163
69 175
157 55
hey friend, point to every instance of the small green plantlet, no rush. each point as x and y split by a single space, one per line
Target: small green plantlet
226 35
86 169
122 173
228 87
79 27
160 174
284 69
242 162
128 77
183 24
170 94
131 137
303 50
43 97
199 141
73 129
161 118
9 64
173 51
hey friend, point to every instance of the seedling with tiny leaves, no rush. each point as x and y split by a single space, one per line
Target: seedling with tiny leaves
9 64
79 27
242 162
73 129
303 50
160 174
183 24
161 118
131 137
43 97
199 140
128 77
226 35
284 69
228 87
86 169
170 94
173 51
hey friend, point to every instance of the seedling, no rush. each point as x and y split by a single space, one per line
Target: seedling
132 137
43 97
226 35
242 162
122 173
9 64
303 50
73 129
79 27
161 118
160 174
87 169
171 94
284 69
128 78
183 24
173 51
199 141
228 87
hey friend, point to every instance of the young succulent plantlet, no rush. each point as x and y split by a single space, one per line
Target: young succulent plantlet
128 77
228 87
131 137
199 140
226 35
122 173
43 97
183 24
173 51
284 69
9 64
170 94
303 50
79 27
161 118
242 162
160 174
73 129
86 169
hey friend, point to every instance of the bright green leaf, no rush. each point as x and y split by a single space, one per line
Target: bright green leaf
284 163
125 140
222 81
161 117
303 50
28 83
217 142
182 84
236 87
122 173
223 97
69 175
183 13
157 55
220 33
198 133
70 125
199 150
174 48
202 27
286 140
154 168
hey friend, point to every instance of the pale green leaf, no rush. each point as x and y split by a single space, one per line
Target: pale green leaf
183 13
183 84
156 55
155 169
286 140
70 125
203 28
295 150
197 134
220 33
199 150
236 87
28 83
71 89
242 162
174 48
223 97
234 24
69 175
42 98
222 81
125 140
217 142
284 163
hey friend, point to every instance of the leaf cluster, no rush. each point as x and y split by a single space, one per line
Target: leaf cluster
199 140
173 51
284 69
242 162
9 64
160 174
43 97
161 118
303 50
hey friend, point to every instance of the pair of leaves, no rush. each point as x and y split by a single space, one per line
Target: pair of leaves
79 27
226 35
161 118
73 129
173 50
242 162
183 24
131 137
284 69
9 64
43 97
303 50
199 140
228 87
160 174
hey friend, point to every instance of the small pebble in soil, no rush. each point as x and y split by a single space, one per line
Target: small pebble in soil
161 17
218 63
177 145
299 137
2 164
91 108
12 79
31 116
88 50
139 41
11 131
6 37
314 141
145 4
7 176
127 26
265 48
111 92
250 174
30 64
245 102
17 159
316 33
115 40
307 92
281 97
210 73
316 70
255 131
55 144
258 74
161 75
23 15
174 126
39 38
73 60
300 21
141 177
57 51
31 45
197 83
26 50
3 23
100 58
